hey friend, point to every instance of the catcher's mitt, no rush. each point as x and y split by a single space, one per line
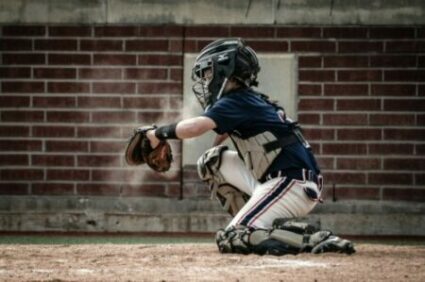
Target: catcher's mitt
139 151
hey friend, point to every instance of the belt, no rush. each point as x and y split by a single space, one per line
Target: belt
299 174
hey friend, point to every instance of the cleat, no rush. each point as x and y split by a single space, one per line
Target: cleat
334 244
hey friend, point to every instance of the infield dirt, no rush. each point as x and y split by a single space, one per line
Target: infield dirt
202 262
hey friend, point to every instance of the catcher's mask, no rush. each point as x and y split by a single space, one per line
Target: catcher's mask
220 61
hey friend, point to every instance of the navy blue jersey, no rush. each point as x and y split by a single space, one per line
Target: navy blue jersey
247 114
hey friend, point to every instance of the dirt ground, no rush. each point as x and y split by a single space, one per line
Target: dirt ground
202 262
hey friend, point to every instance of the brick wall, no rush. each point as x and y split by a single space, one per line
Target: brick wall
70 96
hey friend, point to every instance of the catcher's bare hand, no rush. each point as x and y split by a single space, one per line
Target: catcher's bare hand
152 138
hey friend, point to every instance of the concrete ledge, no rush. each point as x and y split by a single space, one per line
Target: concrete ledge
307 12
108 214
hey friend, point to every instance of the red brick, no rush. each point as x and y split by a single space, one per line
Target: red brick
354 193
346 89
98 131
52 160
345 119
421 32
305 118
359 134
340 178
22 87
360 47
176 74
13 160
20 145
69 31
147 190
309 89
420 178
160 60
325 163
114 117
146 45
55 44
344 32
313 46
24 30
346 61
405 47
159 88
54 73
59 189
100 161
360 75
421 90
114 59
268 46
176 103
421 61
316 75
13 188
392 119
68 174
13 101
99 73
141 74
358 105
146 103
67 146
393 89
309 62
68 117
14 131
189 46
316 104
14 72
21 174
393 61
117 175
176 45
206 31
15 44
394 194
99 102
344 149
69 59
358 163
104 189
114 87
161 31
150 117
54 102
252 31
23 59
116 31
404 134
53 131
319 134
400 164
420 119
68 87
390 149
173 191
298 32
101 45
404 75
22 116
392 32
106 146
404 105
390 178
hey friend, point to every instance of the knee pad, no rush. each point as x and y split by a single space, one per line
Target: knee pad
229 197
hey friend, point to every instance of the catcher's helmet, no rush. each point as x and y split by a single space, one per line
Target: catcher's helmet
217 63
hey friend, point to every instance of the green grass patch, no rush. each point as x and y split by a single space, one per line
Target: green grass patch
99 239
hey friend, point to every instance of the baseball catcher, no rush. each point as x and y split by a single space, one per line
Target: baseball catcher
273 176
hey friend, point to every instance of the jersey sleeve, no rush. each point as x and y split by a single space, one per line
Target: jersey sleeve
228 113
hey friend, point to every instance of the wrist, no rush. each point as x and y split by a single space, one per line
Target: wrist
166 132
